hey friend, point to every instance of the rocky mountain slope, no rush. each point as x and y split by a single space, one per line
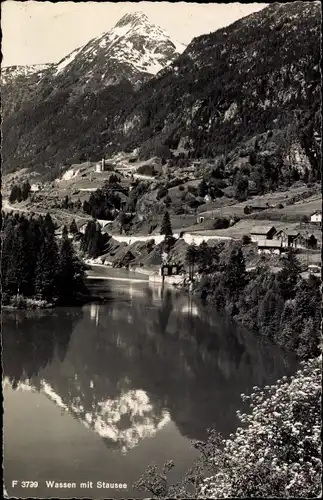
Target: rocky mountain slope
255 79
37 106
259 74
9 74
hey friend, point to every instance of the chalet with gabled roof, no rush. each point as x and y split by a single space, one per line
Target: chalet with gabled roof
287 237
316 217
260 233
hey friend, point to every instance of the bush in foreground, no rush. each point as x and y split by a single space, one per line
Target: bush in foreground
277 452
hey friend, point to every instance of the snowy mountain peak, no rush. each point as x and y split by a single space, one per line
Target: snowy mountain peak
133 18
134 49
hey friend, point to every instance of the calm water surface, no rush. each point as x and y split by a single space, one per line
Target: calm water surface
99 393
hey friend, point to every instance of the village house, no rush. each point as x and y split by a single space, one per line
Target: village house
169 269
306 240
311 240
288 238
103 165
261 233
200 219
316 217
270 247
207 198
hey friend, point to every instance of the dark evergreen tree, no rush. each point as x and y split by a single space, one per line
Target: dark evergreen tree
18 194
202 188
235 276
253 156
64 232
13 194
46 279
93 241
166 227
70 281
289 275
73 227
49 225
86 207
270 311
25 190
17 272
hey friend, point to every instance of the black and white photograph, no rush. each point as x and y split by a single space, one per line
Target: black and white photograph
161 249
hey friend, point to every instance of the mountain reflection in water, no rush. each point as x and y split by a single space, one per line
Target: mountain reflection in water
149 359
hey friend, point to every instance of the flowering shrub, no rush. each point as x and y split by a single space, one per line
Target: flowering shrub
276 453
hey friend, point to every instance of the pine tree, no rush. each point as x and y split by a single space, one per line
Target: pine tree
270 312
35 236
253 155
48 224
13 194
202 188
46 269
65 232
87 207
166 227
235 276
73 227
18 194
25 190
17 271
289 275
66 284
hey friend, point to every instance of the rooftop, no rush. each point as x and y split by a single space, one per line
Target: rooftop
261 229
289 232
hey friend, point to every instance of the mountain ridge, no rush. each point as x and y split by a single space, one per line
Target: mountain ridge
257 75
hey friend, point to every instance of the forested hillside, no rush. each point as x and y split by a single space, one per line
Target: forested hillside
257 78
259 74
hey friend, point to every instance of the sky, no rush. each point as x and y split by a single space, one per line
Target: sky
44 32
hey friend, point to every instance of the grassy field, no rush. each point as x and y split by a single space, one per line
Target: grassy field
291 200
241 228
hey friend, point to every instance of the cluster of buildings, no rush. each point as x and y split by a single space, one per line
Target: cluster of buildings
272 241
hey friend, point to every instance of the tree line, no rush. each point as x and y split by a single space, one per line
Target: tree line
284 307
35 265
19 192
